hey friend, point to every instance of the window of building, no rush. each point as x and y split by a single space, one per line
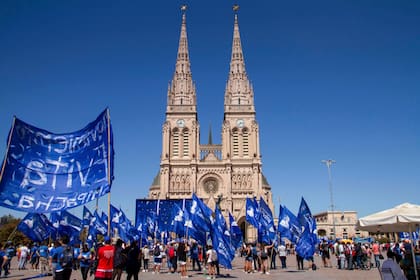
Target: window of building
235 144
185 142
175 143
245 142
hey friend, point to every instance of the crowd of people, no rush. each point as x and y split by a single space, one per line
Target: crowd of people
111 257
366 256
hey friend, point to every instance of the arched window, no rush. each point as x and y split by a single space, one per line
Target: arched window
175 143
235 142
185 142
245 142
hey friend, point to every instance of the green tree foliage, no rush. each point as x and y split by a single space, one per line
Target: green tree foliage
8 231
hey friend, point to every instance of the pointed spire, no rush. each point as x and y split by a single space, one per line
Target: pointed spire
238 88
182 89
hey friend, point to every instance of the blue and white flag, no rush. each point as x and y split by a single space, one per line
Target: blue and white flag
220 237
99 225
104 218
71 226
308 240
87 216
235 232
406 235
200 214
266 221
305 217
252 212
178 221
36 226
120 222
288 225
45 172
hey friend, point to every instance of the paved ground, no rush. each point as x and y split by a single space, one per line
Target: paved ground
291 273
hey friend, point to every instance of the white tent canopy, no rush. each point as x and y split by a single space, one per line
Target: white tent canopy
401 218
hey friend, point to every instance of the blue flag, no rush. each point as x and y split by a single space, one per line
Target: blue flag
178 221
288 225
36 226
308 240
120 222
99 225
235 232
252 212
71 226
305 217
200 214
87 216
104 218
45 172
221 240
266 223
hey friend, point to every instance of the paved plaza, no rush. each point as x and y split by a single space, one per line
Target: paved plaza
237 273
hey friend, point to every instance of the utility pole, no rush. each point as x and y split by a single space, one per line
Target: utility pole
328 163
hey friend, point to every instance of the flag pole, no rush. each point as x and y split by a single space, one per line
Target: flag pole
7 149
109 170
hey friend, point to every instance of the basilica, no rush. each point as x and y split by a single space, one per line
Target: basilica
224 174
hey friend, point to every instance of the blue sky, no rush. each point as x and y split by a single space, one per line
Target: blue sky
332 79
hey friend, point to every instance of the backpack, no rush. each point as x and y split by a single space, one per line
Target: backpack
66 257
347 251
156 251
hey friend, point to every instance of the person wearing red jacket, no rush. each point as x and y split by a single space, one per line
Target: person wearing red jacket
105 261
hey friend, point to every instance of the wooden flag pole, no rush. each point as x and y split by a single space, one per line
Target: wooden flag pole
109 171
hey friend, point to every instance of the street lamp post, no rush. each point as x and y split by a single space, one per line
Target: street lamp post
328 163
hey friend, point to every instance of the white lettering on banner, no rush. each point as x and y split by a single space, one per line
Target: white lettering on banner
57 164
26 202
57 203
34 168
83 178
35 172
70 175
61 144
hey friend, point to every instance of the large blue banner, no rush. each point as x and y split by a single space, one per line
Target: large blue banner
45 172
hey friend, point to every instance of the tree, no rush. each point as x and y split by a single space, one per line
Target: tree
8 225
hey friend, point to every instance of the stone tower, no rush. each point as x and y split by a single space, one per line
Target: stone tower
224 173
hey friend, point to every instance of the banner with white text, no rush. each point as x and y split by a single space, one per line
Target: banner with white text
45 172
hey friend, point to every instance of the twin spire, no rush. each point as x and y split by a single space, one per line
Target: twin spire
182 91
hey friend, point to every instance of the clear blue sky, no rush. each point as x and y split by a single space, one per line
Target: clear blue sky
332 79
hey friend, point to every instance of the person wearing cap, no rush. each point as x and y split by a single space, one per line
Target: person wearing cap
105 261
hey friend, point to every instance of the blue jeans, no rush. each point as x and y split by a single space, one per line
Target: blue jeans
377 261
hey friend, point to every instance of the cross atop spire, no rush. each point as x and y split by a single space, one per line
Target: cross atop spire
238 88
182 89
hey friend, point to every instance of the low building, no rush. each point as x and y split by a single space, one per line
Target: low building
344 223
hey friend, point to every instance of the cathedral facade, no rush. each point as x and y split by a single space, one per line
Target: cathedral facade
224 174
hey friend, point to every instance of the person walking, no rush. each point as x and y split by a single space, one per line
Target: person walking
3 258
105 257
120 259
133 261
43 258
181 254
85 260
146 257
282 255
63 256
194 256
